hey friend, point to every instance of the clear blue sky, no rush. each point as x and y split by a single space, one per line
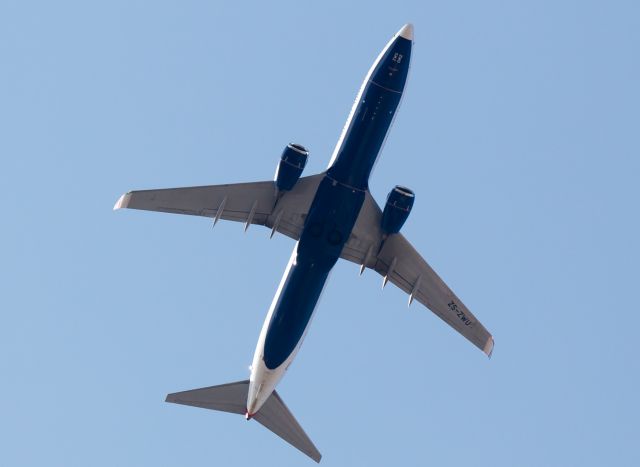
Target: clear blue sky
519 132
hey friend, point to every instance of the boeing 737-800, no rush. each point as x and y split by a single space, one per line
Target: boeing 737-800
331 215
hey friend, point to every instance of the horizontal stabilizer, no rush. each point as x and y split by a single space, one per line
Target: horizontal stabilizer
275 415
232 398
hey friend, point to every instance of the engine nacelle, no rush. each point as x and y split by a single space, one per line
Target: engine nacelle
397 209
292 162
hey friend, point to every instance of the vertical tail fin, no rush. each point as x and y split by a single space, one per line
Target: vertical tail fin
232 397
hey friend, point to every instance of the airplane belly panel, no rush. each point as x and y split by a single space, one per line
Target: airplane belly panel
331 218
293 311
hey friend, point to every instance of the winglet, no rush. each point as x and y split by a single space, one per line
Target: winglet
488 347
123 202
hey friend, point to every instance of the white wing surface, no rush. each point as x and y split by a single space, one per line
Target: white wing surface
399 263
250 203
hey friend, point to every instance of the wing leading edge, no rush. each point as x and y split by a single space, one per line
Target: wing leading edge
399 263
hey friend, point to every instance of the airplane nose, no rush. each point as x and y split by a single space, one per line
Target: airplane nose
406 31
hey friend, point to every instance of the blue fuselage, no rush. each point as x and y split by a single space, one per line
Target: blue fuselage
337 202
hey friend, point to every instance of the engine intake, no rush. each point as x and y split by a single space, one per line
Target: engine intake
292 162
396 211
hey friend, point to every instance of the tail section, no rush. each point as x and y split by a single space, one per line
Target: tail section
275 415
232 397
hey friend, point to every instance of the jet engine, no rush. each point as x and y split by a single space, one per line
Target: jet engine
292 162
397 209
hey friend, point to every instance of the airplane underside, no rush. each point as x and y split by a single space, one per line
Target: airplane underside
331 215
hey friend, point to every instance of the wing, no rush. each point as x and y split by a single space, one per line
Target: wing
250 203
398 262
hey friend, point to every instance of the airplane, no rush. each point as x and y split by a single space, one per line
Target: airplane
331 215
